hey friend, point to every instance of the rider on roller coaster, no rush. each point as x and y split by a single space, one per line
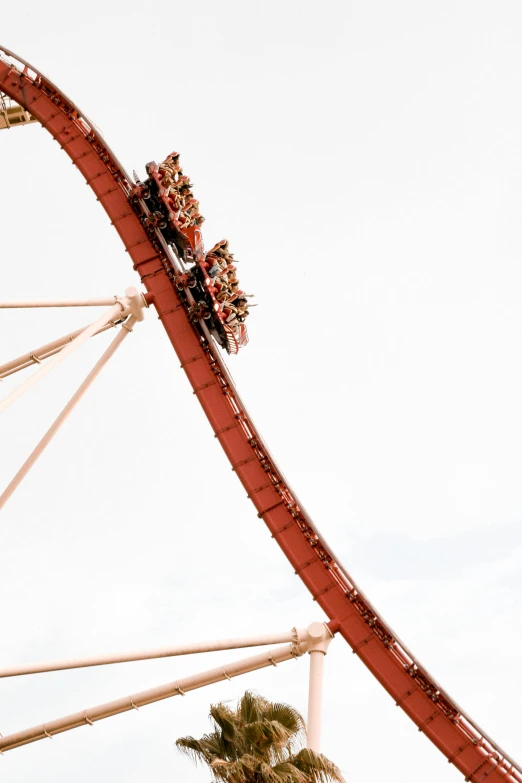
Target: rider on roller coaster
214 272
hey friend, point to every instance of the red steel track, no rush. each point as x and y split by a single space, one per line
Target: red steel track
433 711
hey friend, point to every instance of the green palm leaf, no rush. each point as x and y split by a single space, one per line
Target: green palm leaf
259 742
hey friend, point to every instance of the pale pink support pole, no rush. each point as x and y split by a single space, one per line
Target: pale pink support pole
131 303
37 303
114 312
321 637
55 426
270 657
297 636
38 355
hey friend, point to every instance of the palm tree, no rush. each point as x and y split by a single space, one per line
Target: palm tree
259 742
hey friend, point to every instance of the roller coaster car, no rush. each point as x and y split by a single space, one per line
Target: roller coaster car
182 230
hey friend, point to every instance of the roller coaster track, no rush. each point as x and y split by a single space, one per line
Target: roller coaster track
433 711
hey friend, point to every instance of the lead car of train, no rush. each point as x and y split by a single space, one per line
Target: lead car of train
214 295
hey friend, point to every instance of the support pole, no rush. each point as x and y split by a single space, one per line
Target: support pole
321 637
271 657
297 636
132 303
53 429
33 303
38 355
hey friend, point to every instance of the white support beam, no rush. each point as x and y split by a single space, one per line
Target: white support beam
270 657
126 328
23 303
131 304
321 637
296 636
38 355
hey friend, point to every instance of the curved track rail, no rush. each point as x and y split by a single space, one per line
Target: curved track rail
433 711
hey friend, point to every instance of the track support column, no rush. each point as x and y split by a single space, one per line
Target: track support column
322 636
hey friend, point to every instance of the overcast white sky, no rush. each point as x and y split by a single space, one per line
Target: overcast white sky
365 162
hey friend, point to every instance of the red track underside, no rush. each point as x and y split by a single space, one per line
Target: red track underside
432 710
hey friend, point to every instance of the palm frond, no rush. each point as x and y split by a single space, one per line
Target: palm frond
287 716
292 721
224 719
192 748
289 773
251 706
317 767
